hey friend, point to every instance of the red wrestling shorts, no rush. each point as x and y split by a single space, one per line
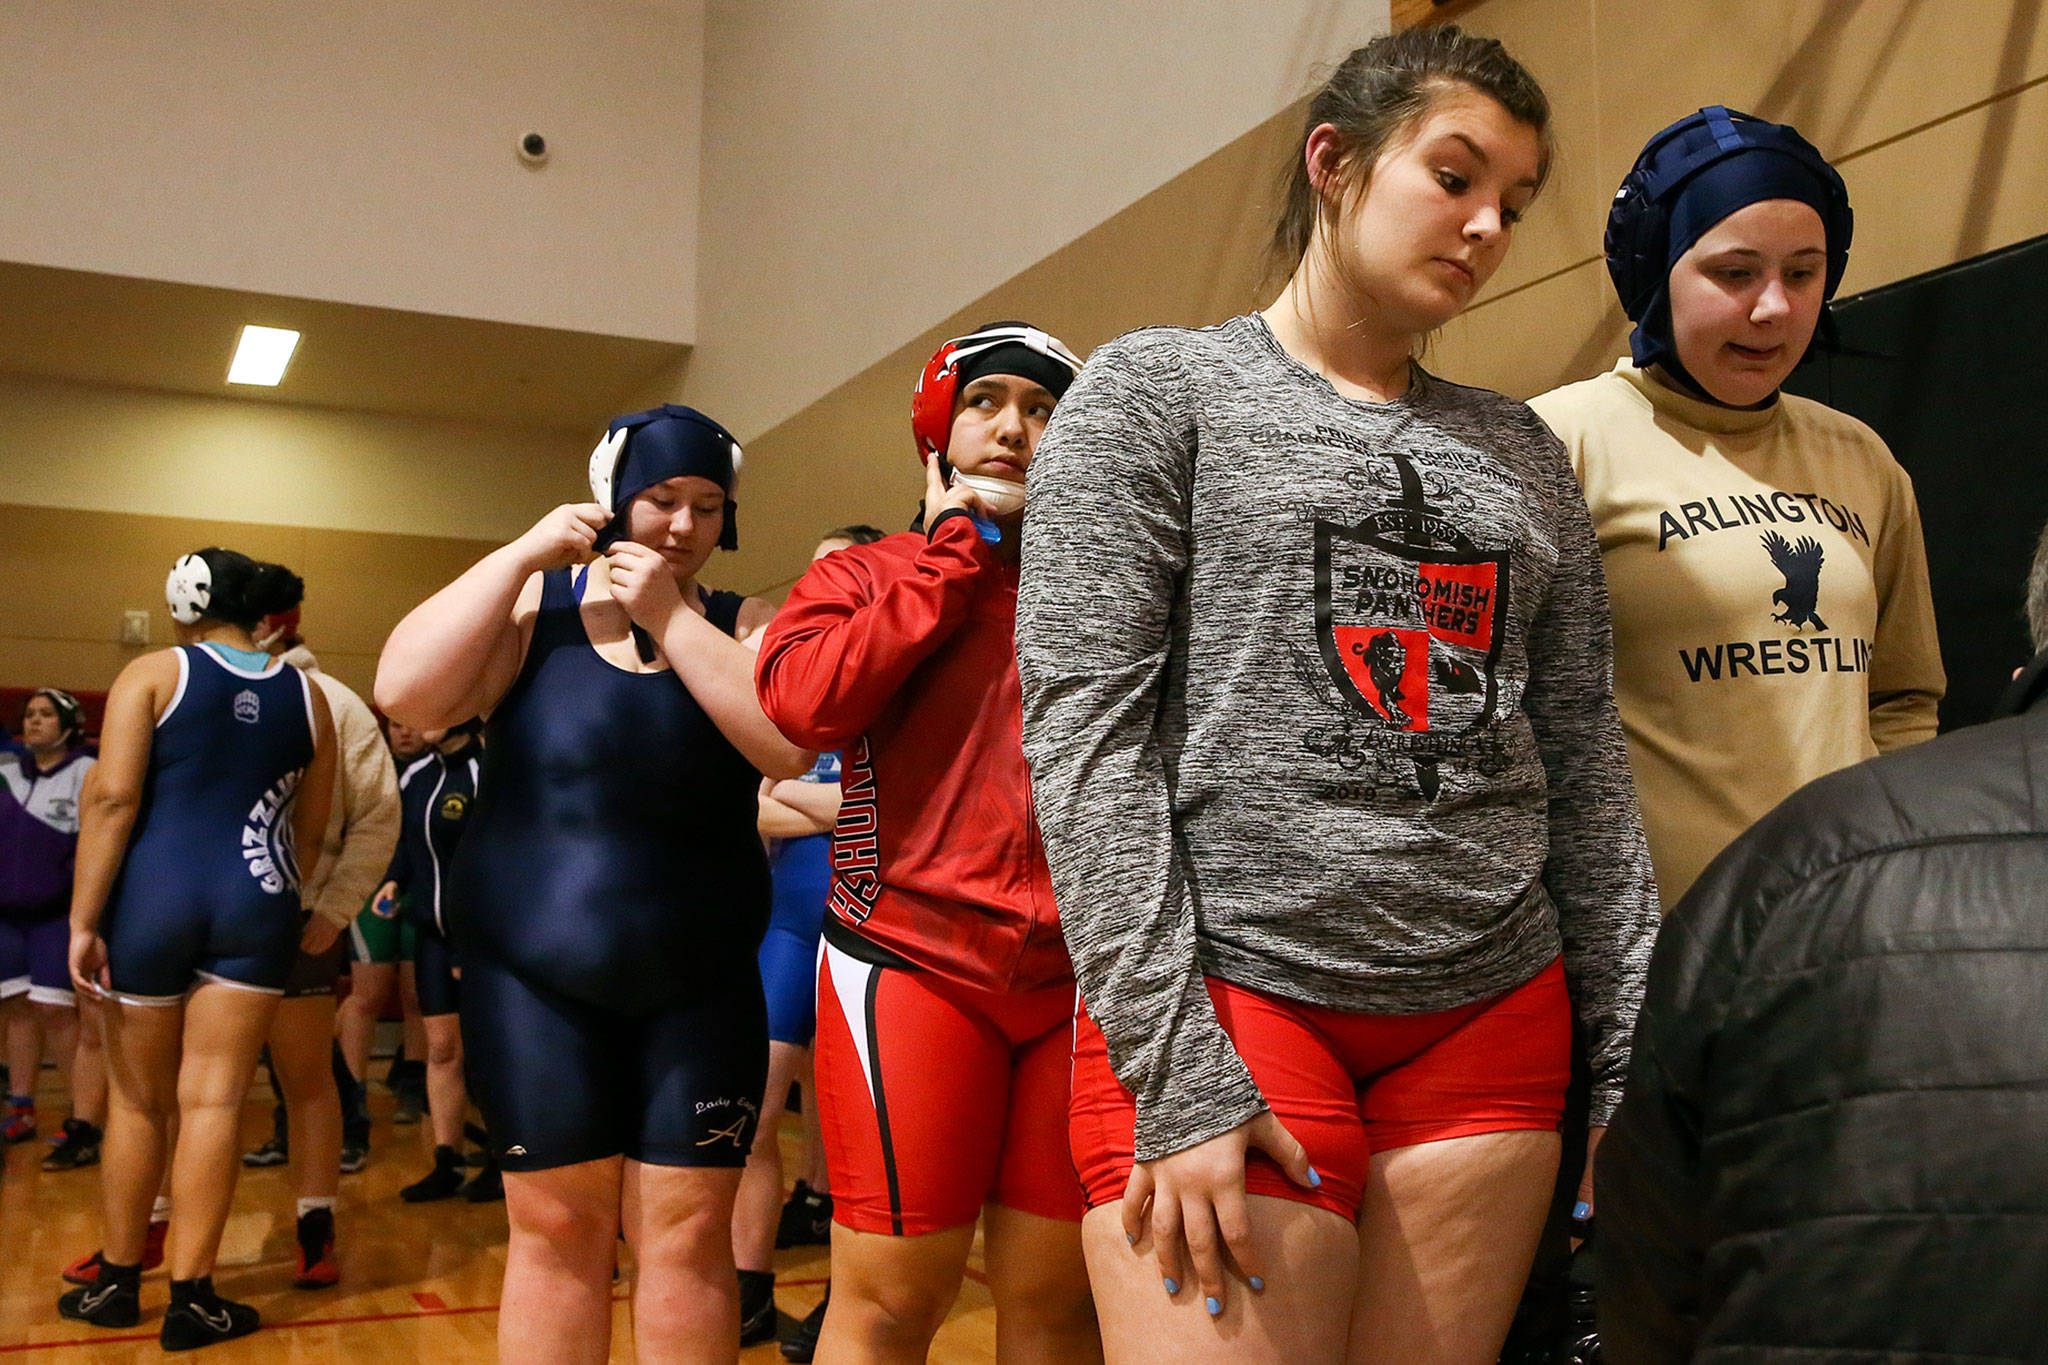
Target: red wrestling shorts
935 1098
1348 1085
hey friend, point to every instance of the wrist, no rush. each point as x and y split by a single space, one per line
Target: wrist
931 530
519 559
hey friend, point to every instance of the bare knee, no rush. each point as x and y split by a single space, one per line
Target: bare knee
898 1314
563 1232
444 1046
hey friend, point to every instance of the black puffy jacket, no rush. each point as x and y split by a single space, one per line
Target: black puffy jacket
1834 1141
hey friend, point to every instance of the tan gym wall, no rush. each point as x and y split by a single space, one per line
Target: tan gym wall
1936 114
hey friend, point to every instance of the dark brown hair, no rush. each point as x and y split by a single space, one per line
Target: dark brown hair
1379 92
858 534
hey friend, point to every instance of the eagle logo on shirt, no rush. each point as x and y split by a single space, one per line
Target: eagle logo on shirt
1800 564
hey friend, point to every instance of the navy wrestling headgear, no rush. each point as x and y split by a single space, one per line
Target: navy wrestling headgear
1688 178
643 449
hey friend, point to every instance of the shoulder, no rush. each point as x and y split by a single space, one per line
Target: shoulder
1570 409
1834 437
862 566
1164 356
1493 422
158 668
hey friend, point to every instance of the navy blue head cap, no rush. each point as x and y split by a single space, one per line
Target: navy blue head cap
643 449
1688 178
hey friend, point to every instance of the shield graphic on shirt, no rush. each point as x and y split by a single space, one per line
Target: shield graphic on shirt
1409 634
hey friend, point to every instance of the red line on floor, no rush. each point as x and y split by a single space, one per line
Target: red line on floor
423 1312
803 1284
978 1276
428 1300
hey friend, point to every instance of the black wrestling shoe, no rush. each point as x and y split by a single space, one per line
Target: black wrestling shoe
271 1153
199 1317
802 1344
806 1219
115 1300
354 1156
443 1182
80 1146
758 1318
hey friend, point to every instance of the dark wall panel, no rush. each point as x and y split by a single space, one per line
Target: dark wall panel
1951 368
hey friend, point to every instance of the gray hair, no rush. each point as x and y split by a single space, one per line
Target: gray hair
2037 594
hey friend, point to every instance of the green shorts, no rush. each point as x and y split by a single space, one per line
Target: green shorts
373 938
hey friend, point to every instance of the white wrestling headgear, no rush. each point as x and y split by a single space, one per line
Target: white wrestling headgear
189 590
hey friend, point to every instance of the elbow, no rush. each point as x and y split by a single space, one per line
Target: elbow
388 690
788 761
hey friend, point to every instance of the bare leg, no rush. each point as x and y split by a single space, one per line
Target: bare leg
357 1024
1310 1258
556 1308
24 1044
890 1295
143 1044
1444 1242
686 1304
300 1052
758 1207
224 1030
89 1064
60 1026
815 1173
1044 1310
446 1097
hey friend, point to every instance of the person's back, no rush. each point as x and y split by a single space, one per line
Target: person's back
1830 1146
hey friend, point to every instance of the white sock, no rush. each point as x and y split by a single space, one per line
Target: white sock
306 1206
160 1211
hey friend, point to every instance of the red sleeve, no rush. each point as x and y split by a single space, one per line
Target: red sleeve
847 638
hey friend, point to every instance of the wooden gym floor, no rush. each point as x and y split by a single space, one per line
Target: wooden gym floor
418 1282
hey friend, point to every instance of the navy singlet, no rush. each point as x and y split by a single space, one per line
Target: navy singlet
611 855
209 885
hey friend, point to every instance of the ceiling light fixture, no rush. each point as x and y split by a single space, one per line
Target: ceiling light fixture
262 354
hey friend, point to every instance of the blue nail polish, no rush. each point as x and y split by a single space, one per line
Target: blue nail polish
1582 1210
1257 1283
1172 1285
1214 1306
1129 1238
1315 1181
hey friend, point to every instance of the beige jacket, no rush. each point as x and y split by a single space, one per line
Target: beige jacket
362 824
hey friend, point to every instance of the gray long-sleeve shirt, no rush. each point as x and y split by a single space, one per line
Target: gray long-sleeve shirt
1317 699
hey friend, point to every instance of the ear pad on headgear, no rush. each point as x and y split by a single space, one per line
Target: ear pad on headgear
188 591
931 402
646 448
604 467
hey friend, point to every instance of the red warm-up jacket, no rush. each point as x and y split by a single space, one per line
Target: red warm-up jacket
902 654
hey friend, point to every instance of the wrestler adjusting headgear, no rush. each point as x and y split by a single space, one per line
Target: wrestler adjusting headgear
1014 348
189 589
646 448
1688 178
70 715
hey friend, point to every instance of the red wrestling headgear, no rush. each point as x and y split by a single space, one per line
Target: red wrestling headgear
1042 358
